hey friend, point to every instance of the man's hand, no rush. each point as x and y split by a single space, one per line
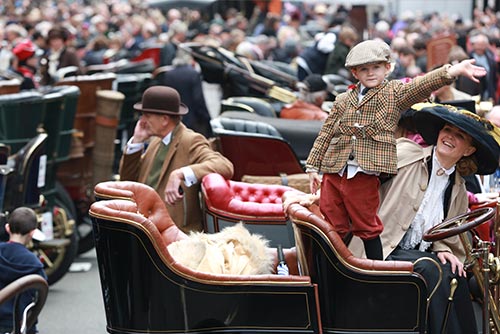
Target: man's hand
454 261
172 194
141 131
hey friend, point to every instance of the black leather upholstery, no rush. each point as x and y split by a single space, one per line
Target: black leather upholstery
259 106
243 125
299 133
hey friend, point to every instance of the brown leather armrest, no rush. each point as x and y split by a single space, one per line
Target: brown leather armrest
298 212
146 198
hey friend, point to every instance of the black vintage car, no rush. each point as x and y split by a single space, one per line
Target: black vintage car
327 290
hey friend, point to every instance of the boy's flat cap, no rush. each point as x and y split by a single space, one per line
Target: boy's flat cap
368 52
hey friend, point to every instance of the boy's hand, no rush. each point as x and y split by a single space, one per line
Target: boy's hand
467 69
314 182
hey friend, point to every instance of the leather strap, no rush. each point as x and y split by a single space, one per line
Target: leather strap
284 179
106 121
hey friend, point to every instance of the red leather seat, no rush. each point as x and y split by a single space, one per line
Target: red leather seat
255 148
259 206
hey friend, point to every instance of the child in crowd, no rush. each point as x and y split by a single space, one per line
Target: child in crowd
356 144
17 261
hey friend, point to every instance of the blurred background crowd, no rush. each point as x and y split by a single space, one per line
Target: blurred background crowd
41 37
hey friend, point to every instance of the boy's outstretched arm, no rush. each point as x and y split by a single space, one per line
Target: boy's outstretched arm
467 69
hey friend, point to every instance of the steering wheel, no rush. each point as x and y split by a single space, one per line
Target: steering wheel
459 224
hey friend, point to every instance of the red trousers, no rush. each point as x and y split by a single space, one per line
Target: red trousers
352 204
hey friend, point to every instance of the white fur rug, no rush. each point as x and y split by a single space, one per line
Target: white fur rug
234 250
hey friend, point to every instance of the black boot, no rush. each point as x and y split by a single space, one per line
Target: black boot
373 248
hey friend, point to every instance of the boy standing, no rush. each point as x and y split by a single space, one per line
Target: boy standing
17 261
356 143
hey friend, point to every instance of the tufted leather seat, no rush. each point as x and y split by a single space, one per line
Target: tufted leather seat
21 115
243 199
301 134
259 206
220 124
144 201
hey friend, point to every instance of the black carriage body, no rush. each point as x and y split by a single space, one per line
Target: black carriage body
142 294
146 290
353 300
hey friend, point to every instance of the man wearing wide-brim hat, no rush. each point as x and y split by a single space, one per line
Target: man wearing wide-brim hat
176 158
428 188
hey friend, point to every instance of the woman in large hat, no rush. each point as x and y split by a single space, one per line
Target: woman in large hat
428 188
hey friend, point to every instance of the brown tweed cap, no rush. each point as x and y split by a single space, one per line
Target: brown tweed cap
368 52
161 100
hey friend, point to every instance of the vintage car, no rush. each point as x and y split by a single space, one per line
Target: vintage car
327 290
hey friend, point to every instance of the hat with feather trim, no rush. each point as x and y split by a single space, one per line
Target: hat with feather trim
430 118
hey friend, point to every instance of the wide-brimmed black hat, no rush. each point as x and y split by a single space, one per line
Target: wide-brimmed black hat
161 100
430 118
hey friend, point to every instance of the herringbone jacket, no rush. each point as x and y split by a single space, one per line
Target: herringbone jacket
366 129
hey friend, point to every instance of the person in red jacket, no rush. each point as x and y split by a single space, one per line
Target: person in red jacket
25 63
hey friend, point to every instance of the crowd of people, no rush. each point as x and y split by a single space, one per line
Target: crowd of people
312 38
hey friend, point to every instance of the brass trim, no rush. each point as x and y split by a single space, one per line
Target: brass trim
434 262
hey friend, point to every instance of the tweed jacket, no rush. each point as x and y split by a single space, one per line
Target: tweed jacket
187 149
366 129
401 198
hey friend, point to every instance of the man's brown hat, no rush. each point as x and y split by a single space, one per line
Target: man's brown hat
161 100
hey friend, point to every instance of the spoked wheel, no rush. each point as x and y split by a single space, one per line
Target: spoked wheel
78 210
459 224
58 254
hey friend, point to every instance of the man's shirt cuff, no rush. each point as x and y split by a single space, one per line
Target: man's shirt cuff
189 177
132 148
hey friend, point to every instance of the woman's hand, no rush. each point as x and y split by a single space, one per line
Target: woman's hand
454 262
